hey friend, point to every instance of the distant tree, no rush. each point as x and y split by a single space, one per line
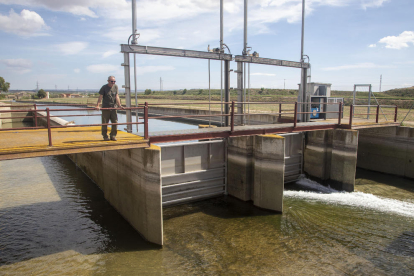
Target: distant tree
2 96
184 91
4 86
200 91
147 91
41 94
175 92
261 90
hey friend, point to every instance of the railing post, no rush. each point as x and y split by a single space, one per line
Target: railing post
280 111
340 113
396 112
377 118
49 131
232 117
295 116
351 114
145 120
35 115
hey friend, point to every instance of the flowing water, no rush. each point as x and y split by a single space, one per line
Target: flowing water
55 221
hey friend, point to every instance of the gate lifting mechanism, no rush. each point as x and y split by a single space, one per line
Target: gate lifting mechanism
215 54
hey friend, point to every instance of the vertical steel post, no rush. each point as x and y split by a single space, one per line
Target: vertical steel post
134 22
127 87
304 107
245 29
227 89
221 62
240 96
340 113
136 92
146 120
35 115
232 117
351 114
396 112
369 100
280 111
304 77
295 116
221 25
376 119
49 131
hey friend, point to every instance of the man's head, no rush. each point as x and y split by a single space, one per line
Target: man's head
111 81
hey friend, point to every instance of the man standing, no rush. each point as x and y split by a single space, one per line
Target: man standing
110 97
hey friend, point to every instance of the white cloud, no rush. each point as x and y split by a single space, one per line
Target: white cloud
27 23
102 68
372 3
152 69
263 74
18 65
365 65
76 7
72 48
110 53
372 45
398 42
77 70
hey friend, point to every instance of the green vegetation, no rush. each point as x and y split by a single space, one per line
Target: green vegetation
41 94
147 91
4 86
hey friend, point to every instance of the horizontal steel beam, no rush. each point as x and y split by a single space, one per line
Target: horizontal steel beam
160 51
269 61
226 134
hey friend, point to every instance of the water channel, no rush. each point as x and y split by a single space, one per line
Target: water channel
55 221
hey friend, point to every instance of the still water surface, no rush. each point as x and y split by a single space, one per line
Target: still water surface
55 221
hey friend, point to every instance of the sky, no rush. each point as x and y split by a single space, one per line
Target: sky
76 44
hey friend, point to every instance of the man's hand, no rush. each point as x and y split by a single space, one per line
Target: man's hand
97 107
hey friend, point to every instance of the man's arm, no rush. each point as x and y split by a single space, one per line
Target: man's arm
118 101
99 101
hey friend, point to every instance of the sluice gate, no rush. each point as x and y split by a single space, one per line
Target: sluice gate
198 170
293 156
193 171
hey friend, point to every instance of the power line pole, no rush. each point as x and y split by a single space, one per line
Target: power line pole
37 86
284 84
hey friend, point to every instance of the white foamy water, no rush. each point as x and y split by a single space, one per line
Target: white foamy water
355 199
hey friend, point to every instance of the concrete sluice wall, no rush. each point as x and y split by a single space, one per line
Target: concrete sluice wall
3 106
388 150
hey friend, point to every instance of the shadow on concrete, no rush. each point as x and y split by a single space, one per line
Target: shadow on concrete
82 220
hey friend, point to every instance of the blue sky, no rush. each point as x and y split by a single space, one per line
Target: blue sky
75 43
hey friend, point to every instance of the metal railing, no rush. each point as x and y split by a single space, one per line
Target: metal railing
377 113
144 109
36 116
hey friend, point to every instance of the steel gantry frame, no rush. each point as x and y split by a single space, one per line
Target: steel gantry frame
133 48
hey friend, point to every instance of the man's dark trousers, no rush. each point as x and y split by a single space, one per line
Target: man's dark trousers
106 116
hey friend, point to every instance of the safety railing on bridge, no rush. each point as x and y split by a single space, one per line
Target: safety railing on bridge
144 109
35 111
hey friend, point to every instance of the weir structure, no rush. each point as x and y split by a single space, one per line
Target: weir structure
251 163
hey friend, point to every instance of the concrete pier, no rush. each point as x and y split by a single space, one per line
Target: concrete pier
240 167
331 156
388 150
268 166
131 182
256 170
